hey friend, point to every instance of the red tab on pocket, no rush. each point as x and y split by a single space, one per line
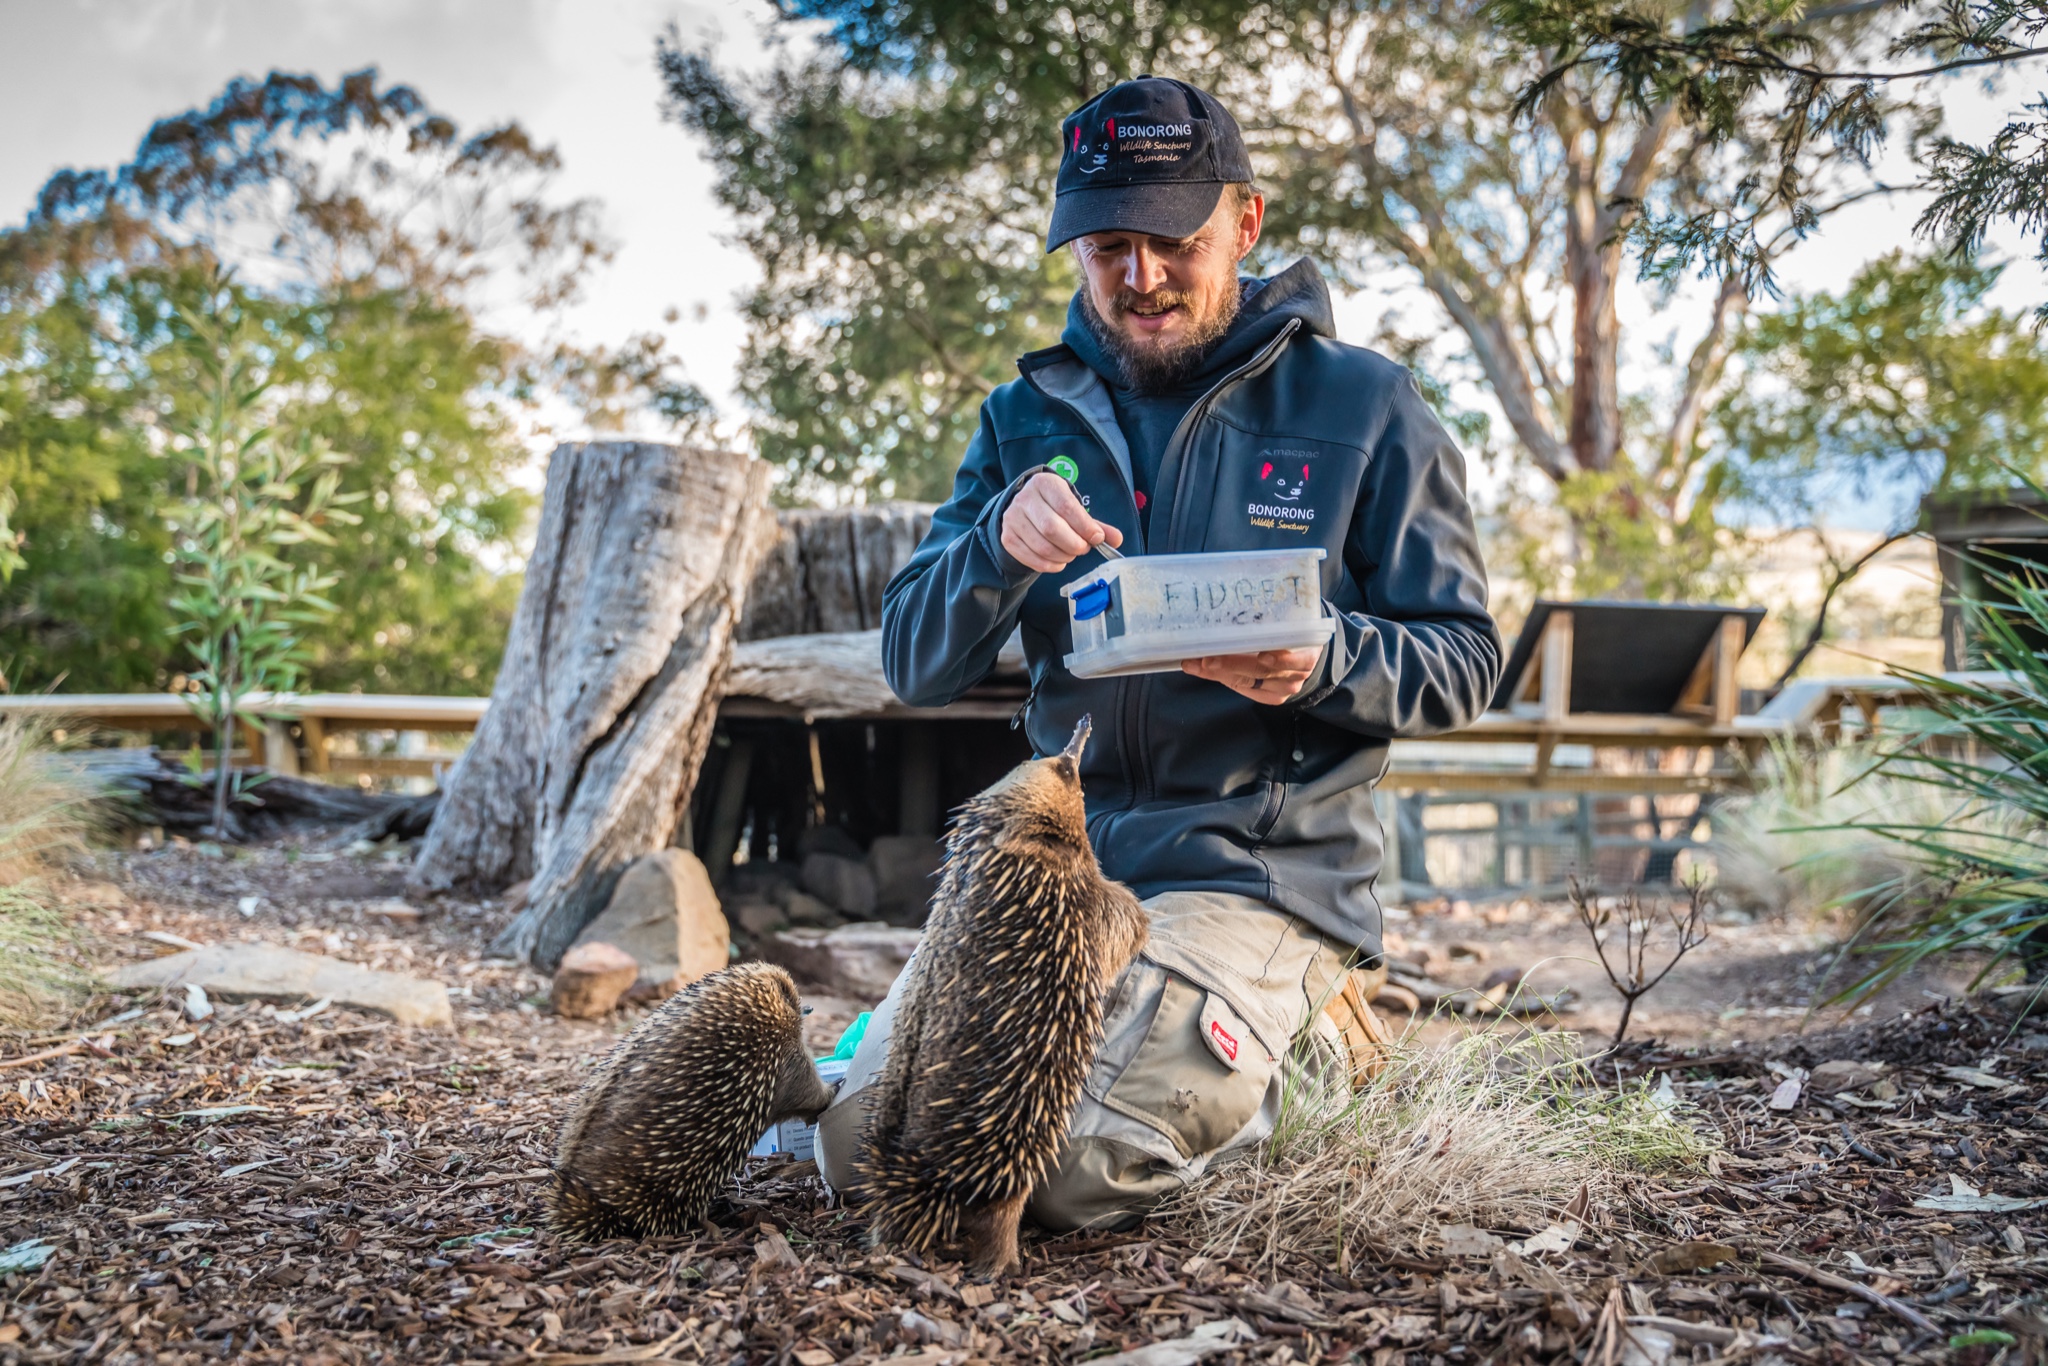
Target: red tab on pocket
1223 1039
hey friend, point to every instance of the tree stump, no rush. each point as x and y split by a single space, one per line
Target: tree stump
613 669
825 568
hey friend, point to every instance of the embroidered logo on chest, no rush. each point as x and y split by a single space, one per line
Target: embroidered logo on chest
1283 488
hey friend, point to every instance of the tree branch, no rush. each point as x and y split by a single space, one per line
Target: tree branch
1703 371
1827 599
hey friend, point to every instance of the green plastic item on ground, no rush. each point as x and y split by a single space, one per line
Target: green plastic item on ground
850 1040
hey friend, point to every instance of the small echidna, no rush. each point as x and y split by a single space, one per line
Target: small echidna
1001 1019
670 1114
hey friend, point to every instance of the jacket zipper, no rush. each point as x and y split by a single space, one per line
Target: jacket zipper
1172 458
1123 685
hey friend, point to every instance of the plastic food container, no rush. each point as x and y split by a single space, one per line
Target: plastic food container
1146 613
793 1136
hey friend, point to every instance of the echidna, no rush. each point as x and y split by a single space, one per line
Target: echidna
1000 1020
670 1114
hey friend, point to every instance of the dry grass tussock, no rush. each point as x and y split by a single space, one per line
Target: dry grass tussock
1500 1133
46 812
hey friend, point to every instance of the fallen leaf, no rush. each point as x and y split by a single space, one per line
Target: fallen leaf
1964 1198
1204 1342
1463 1240
29 1255
812 1356
178 1040
1556 1238
1787 1094
1972 1076
1682 1257
975 1296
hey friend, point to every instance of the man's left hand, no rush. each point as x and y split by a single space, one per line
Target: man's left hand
1270 676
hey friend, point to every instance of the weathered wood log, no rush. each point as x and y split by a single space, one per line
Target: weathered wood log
157 791
826 568
830 674
604 705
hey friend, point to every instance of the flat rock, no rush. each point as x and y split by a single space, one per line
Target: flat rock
859 960
842 883
758 917
265 972
664 914
590 981
905 869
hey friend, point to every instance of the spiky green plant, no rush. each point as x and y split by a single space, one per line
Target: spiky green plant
1980 875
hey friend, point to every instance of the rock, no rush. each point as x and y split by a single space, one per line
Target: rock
859 960
1844 1074
763 879
905 869
804 909
591 980
1466 949
664 915
1509 977
759 917
841 882
264 972
827 839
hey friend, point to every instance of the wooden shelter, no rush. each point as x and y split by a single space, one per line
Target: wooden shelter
1974 533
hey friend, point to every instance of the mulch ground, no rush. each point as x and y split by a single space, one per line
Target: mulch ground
341 1188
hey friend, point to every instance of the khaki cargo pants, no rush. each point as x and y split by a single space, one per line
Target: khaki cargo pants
1231 1003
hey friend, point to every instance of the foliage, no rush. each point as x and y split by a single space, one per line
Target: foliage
241 606
371 238
1981 875
1904 384
45 810
895 181
1714 68
10 539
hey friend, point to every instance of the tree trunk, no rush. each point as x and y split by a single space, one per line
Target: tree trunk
603 708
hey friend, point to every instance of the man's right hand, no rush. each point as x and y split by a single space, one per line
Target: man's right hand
1045 527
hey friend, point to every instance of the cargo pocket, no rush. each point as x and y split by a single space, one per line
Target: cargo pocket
1199 1077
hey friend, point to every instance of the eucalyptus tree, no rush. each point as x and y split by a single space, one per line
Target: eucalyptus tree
893 180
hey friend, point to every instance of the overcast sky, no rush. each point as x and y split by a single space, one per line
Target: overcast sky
85 78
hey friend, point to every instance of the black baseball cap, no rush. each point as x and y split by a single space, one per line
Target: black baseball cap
1150 155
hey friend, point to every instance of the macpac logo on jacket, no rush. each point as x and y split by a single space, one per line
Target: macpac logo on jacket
1189 785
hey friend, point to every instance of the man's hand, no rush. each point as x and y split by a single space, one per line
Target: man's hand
1045 527
1270 676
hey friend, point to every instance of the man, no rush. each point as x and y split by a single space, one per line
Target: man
1187 409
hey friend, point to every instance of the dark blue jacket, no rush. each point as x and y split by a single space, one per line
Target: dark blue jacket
1189 785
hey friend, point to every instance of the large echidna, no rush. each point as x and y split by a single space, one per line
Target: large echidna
670 1114
1000 1020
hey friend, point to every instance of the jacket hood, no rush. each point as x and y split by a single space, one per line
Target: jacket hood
1266 306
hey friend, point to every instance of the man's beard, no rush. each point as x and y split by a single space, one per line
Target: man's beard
1152 368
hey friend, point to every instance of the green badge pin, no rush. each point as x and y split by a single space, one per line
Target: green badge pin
1065 467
